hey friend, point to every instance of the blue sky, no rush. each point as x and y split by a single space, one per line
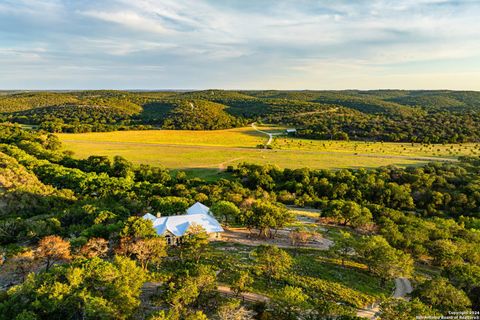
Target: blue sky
244 44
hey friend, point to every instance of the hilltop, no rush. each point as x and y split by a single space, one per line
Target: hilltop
437 116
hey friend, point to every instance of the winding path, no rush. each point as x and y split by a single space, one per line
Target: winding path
222 165
403 286
270 135
246 296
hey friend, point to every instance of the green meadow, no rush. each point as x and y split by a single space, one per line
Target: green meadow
206 152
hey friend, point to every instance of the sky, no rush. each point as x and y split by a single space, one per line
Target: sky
240 44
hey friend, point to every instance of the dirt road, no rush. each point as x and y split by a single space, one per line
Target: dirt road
248 296
270 135
403 286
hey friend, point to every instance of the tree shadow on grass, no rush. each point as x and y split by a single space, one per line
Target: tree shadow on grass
207 174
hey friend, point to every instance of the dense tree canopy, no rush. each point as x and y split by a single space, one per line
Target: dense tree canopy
388 115
443 296
90 289
76 226
383 260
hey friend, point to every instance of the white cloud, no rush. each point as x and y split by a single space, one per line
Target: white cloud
42 9
129 19
199 42
116 46
25 56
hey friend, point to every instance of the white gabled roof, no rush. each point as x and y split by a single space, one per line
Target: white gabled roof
149 216
198 214
178 225
199 208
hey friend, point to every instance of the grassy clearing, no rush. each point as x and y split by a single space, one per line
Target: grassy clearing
310 266
276 129
306 213
315 271
379 148
239 137
354 275
203 153
188 157
308 218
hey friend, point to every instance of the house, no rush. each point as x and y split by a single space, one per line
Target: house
291 131
175 227
199 208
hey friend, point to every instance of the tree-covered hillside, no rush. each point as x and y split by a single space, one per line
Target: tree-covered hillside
190 115
73 244
75 118
380 115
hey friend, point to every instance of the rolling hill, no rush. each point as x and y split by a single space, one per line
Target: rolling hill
379 115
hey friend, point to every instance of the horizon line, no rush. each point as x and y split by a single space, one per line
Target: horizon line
222 89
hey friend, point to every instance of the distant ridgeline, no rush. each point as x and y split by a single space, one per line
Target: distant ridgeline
381 115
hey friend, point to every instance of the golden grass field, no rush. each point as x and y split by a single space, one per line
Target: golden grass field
386 148
213 150
240 137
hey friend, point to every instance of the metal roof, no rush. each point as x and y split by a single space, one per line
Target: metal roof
199 208
198 214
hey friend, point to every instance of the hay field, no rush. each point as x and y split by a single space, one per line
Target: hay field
214 150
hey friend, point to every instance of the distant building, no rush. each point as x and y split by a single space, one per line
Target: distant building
175 227
291 131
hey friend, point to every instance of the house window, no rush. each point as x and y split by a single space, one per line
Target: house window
169 240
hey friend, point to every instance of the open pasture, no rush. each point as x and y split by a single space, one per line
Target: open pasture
214 150
239 137
386 148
